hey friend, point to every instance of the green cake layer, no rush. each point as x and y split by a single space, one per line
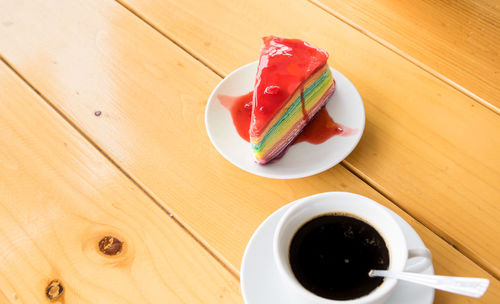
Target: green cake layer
292 115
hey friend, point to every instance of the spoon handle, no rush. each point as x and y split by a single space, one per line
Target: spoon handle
472 287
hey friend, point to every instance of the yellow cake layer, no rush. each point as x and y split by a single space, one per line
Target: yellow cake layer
296 96
292 115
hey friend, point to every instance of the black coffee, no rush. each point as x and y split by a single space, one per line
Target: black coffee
332 254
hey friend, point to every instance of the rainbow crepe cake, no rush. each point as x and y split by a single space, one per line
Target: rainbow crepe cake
293 82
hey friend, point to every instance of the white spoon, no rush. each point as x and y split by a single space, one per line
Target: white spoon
472 287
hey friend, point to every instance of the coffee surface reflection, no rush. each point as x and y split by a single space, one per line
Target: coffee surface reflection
332 254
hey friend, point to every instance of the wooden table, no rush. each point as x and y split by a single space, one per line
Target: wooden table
111 192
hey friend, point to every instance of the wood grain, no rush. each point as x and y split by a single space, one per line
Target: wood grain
97 56
427 146
458 39
59 197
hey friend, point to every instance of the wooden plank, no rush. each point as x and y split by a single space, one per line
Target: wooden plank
428 147
152 100
457 39
60 198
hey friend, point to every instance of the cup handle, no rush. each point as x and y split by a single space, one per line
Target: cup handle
421 265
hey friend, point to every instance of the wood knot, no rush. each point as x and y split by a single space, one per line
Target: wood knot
110 245
54 290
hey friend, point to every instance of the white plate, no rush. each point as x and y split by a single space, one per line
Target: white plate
302 159
260 282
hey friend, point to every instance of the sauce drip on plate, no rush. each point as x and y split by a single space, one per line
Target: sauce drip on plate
321 128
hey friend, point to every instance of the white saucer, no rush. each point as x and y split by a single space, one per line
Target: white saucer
260 282
302 159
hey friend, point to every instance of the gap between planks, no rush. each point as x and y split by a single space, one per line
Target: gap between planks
177 43
407 57
379 189
220 259
345 163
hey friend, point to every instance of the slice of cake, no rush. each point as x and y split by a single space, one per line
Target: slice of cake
293 82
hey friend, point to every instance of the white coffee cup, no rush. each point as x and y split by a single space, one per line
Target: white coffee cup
349 204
